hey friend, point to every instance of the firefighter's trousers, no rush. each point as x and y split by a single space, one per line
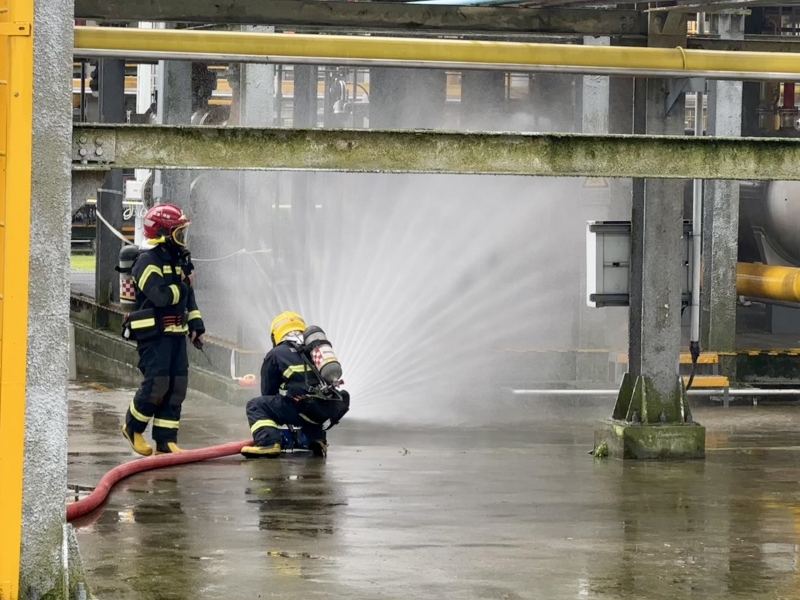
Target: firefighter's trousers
266 413
164 362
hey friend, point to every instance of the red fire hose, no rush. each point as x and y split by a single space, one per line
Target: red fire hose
110 479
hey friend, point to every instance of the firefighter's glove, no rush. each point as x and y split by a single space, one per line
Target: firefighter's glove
297 391
196 327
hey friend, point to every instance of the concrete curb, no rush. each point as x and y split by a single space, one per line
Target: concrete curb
99 350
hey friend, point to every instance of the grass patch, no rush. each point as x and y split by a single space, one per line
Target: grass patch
82 262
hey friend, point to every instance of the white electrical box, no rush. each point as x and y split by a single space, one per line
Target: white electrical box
608 263
134 190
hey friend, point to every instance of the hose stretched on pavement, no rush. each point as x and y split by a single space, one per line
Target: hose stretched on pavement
110 479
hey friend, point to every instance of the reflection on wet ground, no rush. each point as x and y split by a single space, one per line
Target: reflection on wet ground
495 512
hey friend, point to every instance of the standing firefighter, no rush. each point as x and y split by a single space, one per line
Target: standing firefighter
299 379
165 313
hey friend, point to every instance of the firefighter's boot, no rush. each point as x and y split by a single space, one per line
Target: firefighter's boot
137 441
168 448
269 451
319 448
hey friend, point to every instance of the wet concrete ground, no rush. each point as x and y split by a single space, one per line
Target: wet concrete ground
491 512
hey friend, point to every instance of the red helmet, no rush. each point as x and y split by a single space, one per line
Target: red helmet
166 221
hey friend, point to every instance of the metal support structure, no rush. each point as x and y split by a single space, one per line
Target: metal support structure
658 157
109 197
16 142
679 87
372 15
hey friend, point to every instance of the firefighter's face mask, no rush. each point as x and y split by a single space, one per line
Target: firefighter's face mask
180 235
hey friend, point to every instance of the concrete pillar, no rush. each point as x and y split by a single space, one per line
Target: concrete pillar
657 221
483 97
595 95
304 105
174 107
554 99
41 573
651 417
407 98
721 215
294 242
256 190
592 324
109 201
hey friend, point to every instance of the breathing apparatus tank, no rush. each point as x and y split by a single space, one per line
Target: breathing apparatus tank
127 287
320 351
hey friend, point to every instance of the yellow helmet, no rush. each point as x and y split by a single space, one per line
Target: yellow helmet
285 323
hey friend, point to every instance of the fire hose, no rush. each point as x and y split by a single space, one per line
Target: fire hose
115 475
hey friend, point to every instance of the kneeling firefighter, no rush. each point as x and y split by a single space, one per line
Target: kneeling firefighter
165 313
299 387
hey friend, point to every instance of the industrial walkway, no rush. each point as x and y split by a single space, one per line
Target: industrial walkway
493 512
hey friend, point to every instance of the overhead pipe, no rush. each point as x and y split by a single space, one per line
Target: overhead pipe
242 46
768 282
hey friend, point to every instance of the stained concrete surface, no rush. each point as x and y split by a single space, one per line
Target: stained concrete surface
82 282
488 512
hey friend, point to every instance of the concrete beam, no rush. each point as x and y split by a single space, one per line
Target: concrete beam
663 157
373 14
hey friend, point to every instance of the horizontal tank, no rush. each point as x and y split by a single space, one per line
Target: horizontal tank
774 208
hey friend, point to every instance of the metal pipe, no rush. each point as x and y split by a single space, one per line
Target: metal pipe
697 229
697 235
143 55
692 392
771 282
430 53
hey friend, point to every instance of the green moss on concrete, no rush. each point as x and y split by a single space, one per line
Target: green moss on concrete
655 442
145 146
751 369
601 451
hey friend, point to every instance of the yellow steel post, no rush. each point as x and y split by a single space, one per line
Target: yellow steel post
16 124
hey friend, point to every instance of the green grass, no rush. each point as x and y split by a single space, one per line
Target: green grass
82 262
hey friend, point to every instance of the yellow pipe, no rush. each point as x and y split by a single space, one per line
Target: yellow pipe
16 124
427 50
768 282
